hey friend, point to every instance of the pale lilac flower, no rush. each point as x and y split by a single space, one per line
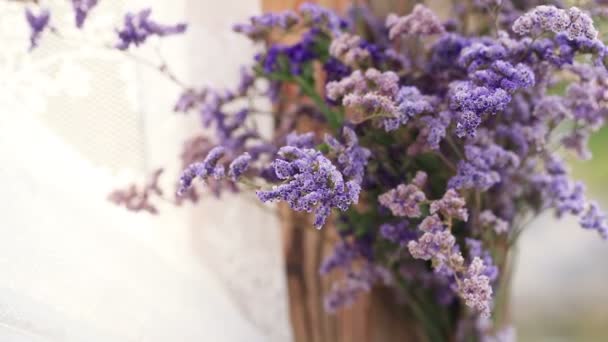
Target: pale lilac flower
475 288
404 200
421 22
488 219
451 205
347 49
547 18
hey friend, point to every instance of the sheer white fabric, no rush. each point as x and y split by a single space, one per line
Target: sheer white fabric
78 120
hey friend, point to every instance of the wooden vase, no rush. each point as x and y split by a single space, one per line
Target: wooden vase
375 317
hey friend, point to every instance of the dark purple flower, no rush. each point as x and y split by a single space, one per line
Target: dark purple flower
138 27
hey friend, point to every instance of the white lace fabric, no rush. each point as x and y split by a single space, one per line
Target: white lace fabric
74 119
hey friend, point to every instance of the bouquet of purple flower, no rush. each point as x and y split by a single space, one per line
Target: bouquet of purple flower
442 141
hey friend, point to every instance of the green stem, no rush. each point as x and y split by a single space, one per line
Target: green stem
333 118
422 316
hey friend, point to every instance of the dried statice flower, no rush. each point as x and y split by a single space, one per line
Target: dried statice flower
259 27
82 9
481 168
136 198
342 257
370 93
312 184
476 250
138 27
547 18
488 219
397 232
433 130
594 219
475 288
474 101
297 54
238 166
348 49
421 22
305 140
558 190
343 295
410 104
357 281
38 23
319 17
404 200
351 158
451 205
207 168
436 242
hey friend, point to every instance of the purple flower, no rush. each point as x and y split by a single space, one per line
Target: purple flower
421 22
208 167
410 103
351 158
397 233
297 54
436 243
238 166
452 205
342 257
489 220
476 250
320 17
482 167
343 294
473 102
433 130
305 140
312 184
594 219
573 22
138 27
347 48
404 200
259 27
82 9
475 288
38 24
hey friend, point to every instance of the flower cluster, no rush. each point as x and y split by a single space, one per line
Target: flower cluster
138 27
311 183
436 150
38 23
82 9
421 22
573 22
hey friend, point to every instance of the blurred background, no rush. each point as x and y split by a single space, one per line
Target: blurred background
78 120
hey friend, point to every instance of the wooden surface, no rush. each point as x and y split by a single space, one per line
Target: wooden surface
375 317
